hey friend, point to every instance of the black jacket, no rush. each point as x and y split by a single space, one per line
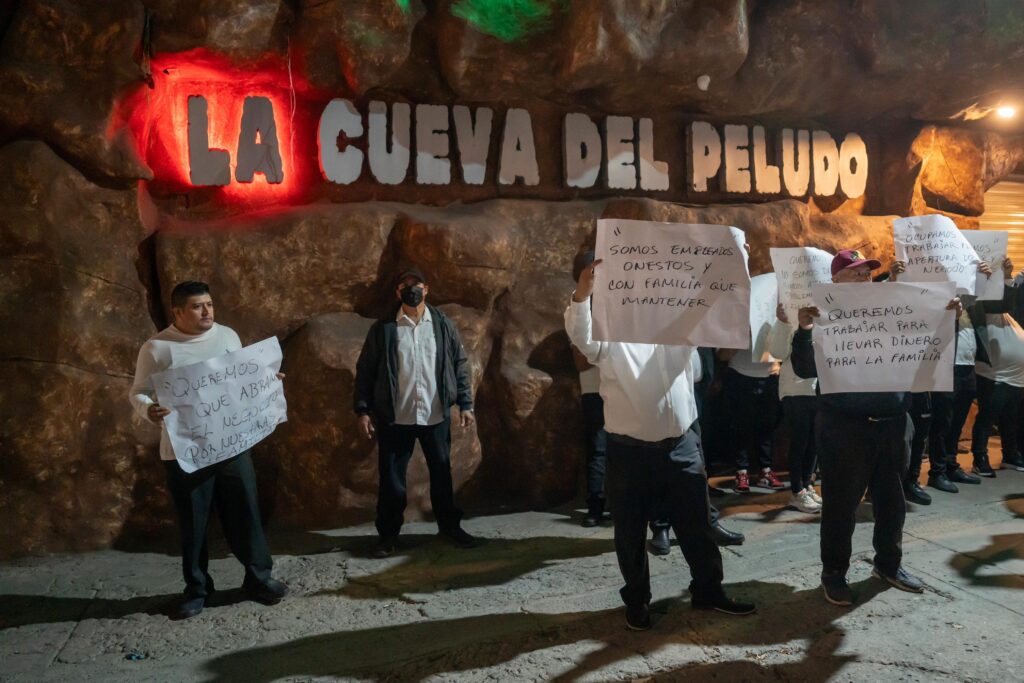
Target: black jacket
377 367
854 404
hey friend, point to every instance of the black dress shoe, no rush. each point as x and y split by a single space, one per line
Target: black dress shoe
638 617
722 603
592 518
941 482
660 543
386 547
915 494
723 536
189 607
960 477
983 468
460 537
269 592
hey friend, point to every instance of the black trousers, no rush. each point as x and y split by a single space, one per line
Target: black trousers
998 403
858 454
230 486
921 418
798 415
755 404
644 475
949 413
395 445
593 423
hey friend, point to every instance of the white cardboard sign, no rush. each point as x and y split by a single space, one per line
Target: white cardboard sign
887 336
764 297
935 250
671 283
797 268
224 405
991 247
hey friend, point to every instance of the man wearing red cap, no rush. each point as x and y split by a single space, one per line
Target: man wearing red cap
862 443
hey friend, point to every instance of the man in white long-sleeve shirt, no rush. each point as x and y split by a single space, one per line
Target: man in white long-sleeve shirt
230 485
653 456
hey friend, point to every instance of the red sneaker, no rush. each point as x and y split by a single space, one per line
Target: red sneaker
768 480
742 484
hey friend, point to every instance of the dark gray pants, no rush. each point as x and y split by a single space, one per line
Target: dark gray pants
645 479
230 486
858 454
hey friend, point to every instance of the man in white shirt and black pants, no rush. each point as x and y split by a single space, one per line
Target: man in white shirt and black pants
410 373
654 457
230 484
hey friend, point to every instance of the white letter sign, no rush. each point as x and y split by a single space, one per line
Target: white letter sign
991 247
764 296
935 250
888 336
797 268
224 405
671 283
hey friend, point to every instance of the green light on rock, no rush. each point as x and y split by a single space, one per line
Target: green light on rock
508 20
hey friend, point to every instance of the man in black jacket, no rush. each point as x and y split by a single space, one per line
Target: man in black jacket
410 373
862 443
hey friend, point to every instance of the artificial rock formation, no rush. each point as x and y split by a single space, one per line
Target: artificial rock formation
91 247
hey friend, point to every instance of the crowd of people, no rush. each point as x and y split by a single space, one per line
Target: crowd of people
643 407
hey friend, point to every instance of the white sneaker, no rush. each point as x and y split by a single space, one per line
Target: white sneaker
804 502
814 494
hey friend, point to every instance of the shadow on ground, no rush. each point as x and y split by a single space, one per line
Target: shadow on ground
429 565
416 651
1001 548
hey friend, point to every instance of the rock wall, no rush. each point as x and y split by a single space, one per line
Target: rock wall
91 243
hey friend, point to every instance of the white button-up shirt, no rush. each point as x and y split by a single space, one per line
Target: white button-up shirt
417 401
647 388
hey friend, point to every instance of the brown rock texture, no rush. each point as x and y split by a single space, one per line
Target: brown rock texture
91 246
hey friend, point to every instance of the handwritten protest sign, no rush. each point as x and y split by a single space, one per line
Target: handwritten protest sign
764 296
797 268
224 405
991 247
671 283
935 250
887 336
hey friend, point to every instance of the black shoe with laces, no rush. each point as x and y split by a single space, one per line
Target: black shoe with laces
837 590
638 617
941 482
958 476
900 579
660 544
982 467
720 602
913 492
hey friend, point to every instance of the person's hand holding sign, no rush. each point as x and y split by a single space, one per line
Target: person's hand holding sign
1007 268
895 269
780 313
156 413
955 305
585 285
806 316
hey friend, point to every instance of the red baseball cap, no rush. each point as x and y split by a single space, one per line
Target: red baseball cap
851 258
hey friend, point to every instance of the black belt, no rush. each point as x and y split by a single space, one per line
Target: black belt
638 443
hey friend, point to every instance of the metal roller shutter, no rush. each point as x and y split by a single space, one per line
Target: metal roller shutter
1004 210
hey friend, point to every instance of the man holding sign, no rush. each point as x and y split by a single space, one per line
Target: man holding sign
653 458
229 484
861 430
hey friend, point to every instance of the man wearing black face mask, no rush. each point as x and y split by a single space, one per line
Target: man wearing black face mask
411 371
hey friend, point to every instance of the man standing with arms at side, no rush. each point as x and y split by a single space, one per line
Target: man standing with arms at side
229 484
653 456
410 373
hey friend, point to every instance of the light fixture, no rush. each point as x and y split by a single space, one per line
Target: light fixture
1006 112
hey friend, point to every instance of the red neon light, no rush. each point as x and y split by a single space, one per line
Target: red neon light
159 120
